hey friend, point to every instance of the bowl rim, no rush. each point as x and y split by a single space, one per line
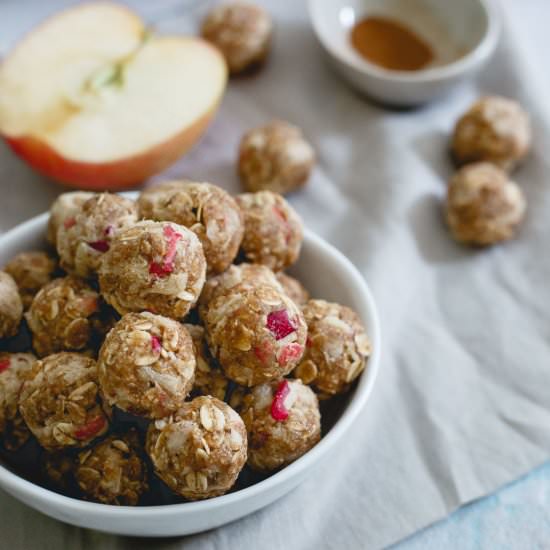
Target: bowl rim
480 52
30 491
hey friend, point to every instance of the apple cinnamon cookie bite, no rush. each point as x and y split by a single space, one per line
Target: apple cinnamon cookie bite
199 451
256 333
146 365
483 206
14 369
63 315
242 32
275 157
84 238
31 271
283 422
337 348
273 231
206 209
11 306
64 210
294 289
113 471
494 129
60 402
154 266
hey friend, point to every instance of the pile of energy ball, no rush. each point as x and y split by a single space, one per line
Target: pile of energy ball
484 206
168 341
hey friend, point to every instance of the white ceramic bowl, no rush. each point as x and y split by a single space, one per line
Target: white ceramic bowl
462 33
327 274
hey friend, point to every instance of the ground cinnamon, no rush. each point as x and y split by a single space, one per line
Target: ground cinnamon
390 44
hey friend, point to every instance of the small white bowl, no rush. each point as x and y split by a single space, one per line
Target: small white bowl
463 35
327 274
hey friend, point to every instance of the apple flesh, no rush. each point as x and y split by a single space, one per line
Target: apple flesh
91 100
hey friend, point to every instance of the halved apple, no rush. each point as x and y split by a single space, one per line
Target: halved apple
91 99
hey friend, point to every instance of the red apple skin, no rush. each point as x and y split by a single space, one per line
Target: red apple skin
113 176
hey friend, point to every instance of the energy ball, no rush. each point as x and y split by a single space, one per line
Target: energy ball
60 402
257 333
199 451
62 316
11 306
337 348
273 231
206 209
146 365
209 377
283 422
242 274
84 238
63 210
275 158
242 32
31 271
113 471
294 289
494 129
154 266
14 369
483 206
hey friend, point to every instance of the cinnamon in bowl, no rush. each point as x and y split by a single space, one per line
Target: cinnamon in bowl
389 44
406 52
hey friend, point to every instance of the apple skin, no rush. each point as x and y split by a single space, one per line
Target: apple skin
110 176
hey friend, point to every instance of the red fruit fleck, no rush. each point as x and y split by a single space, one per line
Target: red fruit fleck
69 222
308 342
109 230
91 428
263 352
88 305
4 365
279 324
158 270
288 353
100 246
280 214
155 344
278 409
173 237
286 227
167 266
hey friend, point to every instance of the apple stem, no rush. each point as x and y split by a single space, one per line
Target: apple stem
113 74
110 75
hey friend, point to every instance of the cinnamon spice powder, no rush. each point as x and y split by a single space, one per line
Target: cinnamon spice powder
390 44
